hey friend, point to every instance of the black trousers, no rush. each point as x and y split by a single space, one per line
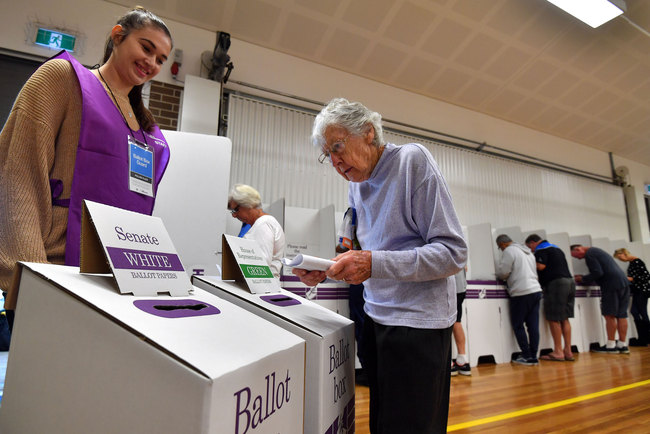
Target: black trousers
409 377
355 297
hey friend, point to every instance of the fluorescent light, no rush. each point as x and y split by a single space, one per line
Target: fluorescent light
592 12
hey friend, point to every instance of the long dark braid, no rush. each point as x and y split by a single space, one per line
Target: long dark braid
135 19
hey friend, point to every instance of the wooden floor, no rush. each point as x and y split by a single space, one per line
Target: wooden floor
596 393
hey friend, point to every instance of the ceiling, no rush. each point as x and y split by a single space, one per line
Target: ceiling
524 61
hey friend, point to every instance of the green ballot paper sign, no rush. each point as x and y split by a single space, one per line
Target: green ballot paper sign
243 261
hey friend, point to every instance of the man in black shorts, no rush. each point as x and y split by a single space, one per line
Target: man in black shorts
615 294
559 295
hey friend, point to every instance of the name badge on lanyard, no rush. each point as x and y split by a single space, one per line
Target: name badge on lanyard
141 167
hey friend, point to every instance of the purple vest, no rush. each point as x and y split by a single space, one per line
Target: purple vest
101 171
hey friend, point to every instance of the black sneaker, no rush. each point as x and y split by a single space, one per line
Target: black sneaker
463 369
454 369
623 350
603 349
533 361
523 361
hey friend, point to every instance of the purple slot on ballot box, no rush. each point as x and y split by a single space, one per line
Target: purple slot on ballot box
176 308
280 300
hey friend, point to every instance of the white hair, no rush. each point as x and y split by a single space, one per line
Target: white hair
246 196
353 116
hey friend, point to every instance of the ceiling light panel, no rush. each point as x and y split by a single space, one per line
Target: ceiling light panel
592 12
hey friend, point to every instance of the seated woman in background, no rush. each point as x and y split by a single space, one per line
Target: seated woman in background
245 204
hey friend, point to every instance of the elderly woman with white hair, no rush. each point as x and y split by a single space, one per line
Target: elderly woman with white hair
412 246
245 204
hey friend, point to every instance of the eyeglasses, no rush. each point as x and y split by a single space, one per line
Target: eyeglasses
235 210
337 149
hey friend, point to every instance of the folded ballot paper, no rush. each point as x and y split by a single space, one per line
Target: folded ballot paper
307 262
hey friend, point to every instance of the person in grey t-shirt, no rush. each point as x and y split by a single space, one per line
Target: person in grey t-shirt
411 247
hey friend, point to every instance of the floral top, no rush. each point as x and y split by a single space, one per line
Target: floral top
638 271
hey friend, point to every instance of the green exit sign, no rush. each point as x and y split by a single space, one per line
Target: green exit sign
55 39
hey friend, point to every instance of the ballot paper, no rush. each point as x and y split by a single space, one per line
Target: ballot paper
307 262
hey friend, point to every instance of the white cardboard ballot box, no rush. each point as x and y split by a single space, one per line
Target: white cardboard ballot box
329 372
85 359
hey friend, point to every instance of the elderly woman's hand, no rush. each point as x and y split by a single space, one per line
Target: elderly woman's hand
309 278
353 266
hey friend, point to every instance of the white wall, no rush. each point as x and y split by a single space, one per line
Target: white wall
271 151
280 72
93 19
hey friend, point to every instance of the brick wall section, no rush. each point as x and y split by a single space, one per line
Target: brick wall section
164 104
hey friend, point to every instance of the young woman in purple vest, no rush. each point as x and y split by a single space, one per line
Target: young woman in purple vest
70 136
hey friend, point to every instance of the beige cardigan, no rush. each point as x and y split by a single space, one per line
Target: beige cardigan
38 143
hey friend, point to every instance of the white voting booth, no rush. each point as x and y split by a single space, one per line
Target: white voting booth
192 195
194 192
276 209
602 243
313 232
484 307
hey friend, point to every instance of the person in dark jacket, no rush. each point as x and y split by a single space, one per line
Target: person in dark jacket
615 294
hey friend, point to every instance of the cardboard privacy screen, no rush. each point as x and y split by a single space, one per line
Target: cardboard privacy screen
135 247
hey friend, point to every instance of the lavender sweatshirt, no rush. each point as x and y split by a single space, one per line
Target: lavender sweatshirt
407 219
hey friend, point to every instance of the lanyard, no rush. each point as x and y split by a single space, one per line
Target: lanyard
121 112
